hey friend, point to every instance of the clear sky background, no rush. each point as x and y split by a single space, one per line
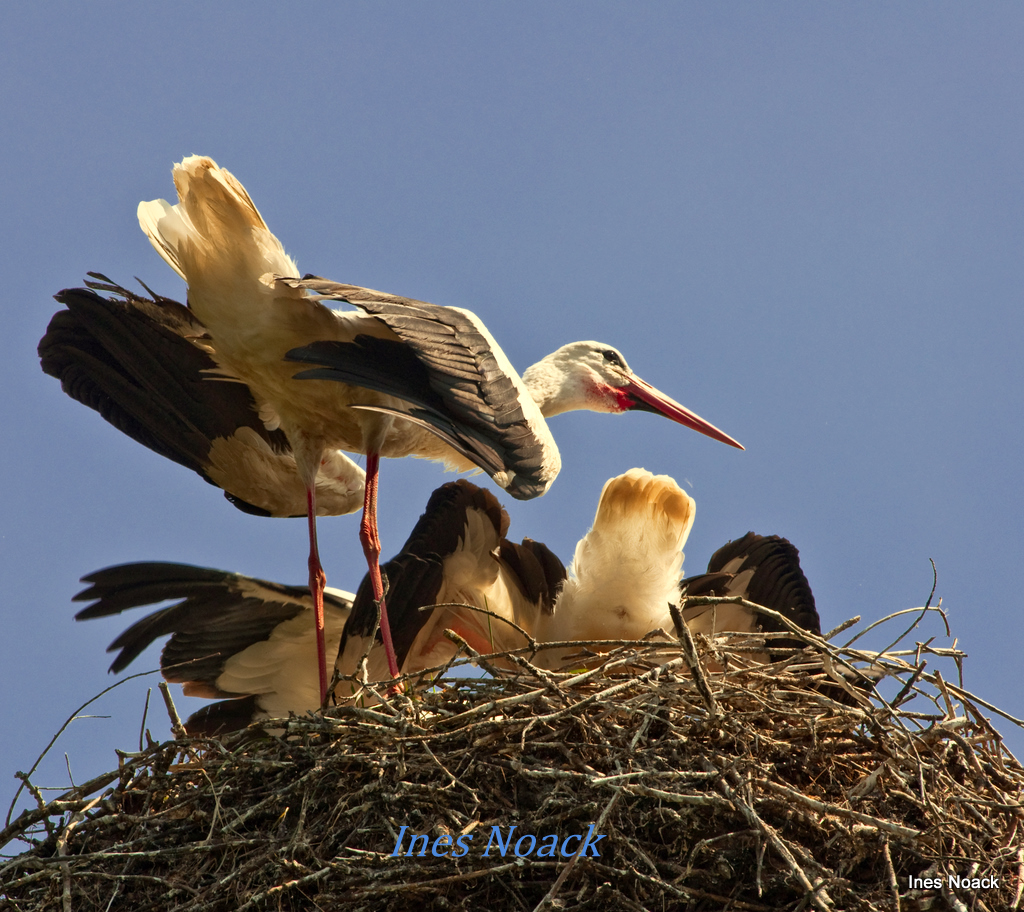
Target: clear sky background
802 220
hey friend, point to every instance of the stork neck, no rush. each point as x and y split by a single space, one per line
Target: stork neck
551 389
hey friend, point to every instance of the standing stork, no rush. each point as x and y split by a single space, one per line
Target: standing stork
410 378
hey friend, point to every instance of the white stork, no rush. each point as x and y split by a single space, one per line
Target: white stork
144 364
413 378
249 642
456 556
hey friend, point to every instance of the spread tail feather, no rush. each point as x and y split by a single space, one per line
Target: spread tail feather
627 568
214 237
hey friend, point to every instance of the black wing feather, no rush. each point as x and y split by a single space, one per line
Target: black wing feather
538 569
136 361
215 620
777 581
414 575
456 375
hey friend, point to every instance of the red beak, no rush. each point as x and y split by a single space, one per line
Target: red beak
648 399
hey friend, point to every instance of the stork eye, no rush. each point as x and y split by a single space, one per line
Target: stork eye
613 357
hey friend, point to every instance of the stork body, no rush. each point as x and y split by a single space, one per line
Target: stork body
627 570
763 569
408 378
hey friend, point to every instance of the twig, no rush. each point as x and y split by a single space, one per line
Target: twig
145 716
60 731
62 851
177 729
549 897
693 660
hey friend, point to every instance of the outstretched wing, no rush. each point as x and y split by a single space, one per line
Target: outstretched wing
230 635
146 365
456 379
765 570
415 574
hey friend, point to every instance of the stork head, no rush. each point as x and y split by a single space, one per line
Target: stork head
596 377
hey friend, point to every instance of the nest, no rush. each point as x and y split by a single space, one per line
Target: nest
760 787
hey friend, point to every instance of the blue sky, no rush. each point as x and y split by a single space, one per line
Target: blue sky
804 221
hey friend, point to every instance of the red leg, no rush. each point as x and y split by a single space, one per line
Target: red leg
371 548
317 581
